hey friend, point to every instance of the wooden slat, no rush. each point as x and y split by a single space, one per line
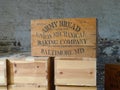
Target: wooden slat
75 72
3 88
51 38
3 77
112 77
34 72
75 88
14 87
74 58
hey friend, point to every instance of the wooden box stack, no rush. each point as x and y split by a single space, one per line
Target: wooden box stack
72 41
30 73
3 77
75 72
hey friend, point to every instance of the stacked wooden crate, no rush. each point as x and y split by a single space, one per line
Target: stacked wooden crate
29 73
76 72
3 77
72 41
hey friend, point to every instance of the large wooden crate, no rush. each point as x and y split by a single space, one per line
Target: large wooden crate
28 87
64 37
112 77
3 77
75 72
3 88
75 88
33 70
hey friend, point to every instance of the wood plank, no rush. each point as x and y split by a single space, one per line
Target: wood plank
29 87
112 77
64 37
75 72
74 58
75 88
3 88
3 77
28 72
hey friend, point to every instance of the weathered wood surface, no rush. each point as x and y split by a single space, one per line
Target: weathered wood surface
29 87
3 77
28 71
75 88
64 37
3 88
75 72
112 77
74 58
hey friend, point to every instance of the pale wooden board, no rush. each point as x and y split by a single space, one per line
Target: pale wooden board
14 87
3 77
74 58
3 88
75 72
64 40
75 88
27 71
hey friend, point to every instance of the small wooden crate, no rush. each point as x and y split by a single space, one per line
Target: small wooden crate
75 88
3 88
3 77
28 71
112 77
28 87
75 72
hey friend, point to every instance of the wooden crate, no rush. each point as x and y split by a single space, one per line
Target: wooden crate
75 72
112 77
33 70
3 77
3 88
64 37
28 87
75 88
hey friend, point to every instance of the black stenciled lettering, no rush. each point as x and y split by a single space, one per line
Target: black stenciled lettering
50 26
69 25
63 23
43 35
57 34
77 28
79 50
73 41
74 35
55 52
47 42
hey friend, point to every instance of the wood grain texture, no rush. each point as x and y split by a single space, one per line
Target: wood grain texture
3 88
112 77
14 87
64 37
3 77
75 72
75 88
28 72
